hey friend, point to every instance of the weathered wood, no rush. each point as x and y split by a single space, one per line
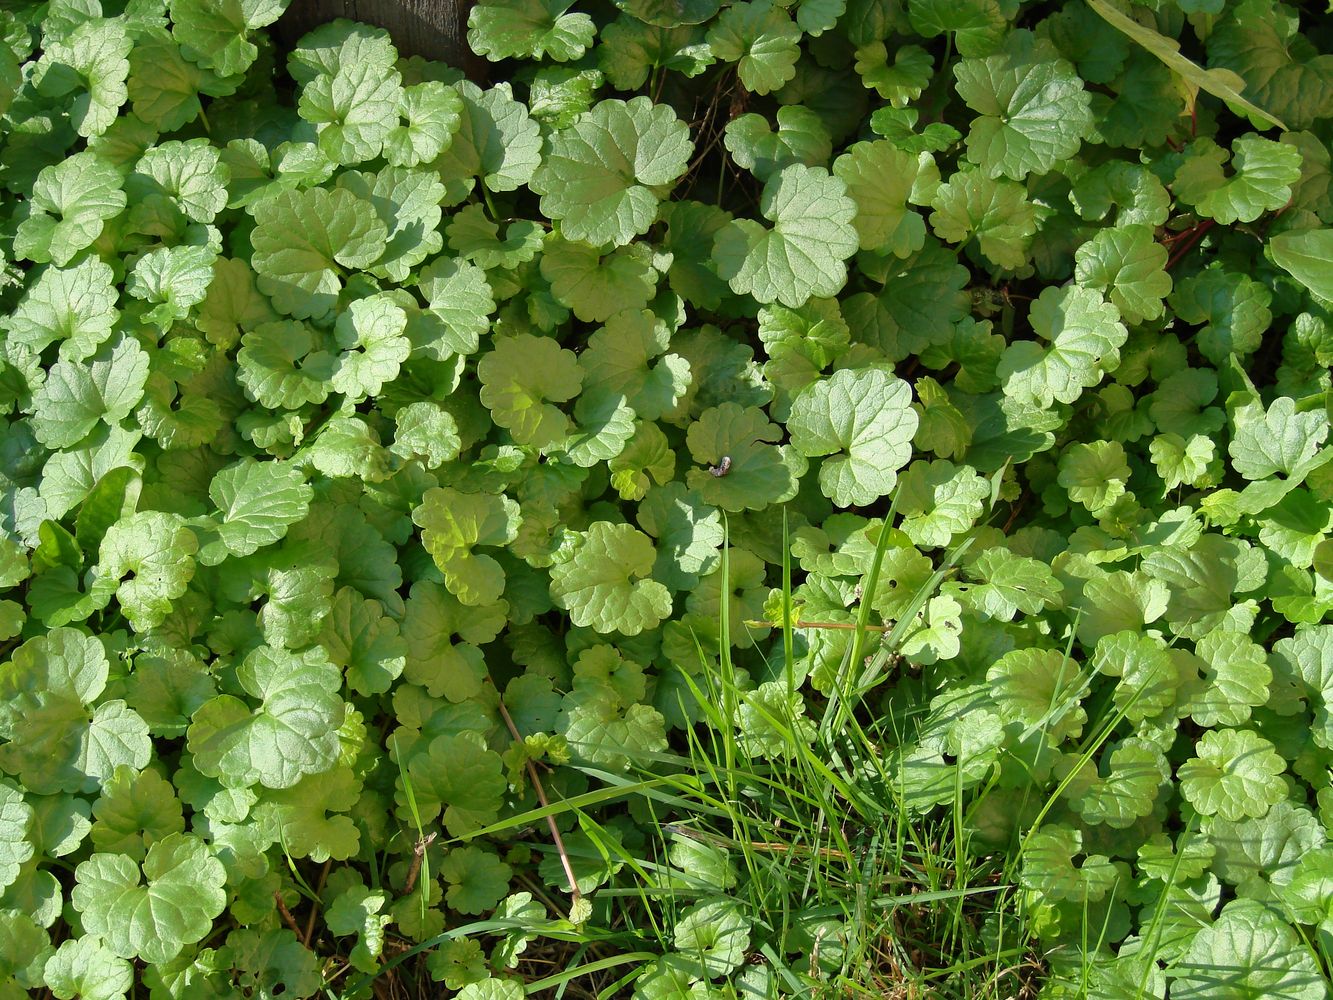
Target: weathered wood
435 29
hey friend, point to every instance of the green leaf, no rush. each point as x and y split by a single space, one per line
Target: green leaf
880 179
1129 266
135 811
976 26
354 110
74 307
458 775
1040 688
1033 111
863 418
155 913
507 29
1051 867
497 142
357 911
715 934
155 550
800 138
285 365
257 502
1279 440
475 238
93 59
1085 335
301 238
1247 952
603 176
607 584
173 280
757 472
433 112
761 39
1264 173
215 35
1307 255
804 253
522 379
1095 473
459 302
938 501
16 845
452 525
995 212
1234 774
477 879
70 203
86 967
372 336
1277 64
291 732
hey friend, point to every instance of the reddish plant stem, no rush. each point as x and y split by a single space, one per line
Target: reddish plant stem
541 797
314 907
286 914
1188 243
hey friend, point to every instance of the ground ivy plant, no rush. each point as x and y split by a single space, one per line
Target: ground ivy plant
371 439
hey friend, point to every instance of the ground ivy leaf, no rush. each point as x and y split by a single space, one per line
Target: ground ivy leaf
1279 440
155 913
996 212
758 472
507 29
452 524
73 306
1247 952
597 285
879 178
292 732
939 501
607 584
16 845
1306 256
301 238
1085 335
475 238
458 775
1234 774
522 379
433 620
372 336
1033 111
1264 173
1129 266
71 201
603 176
977 26
93 59
497 142
800 138
804 253
216 35
86 967
354 110
1233 309
865 420
761 39
285 365
156 551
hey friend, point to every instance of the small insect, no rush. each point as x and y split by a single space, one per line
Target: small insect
722 467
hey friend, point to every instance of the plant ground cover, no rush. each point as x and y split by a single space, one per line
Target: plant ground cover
826 498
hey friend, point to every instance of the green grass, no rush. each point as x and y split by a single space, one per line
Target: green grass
847 892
